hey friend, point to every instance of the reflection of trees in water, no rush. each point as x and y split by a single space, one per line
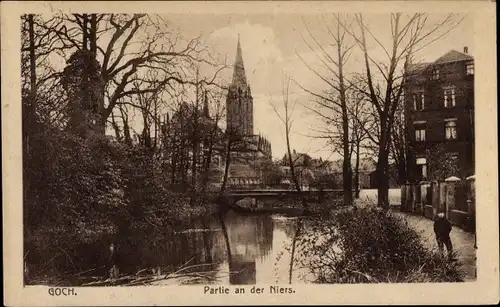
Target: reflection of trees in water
298 228
288 226
167 250
240 239
247 238
250 236
293 229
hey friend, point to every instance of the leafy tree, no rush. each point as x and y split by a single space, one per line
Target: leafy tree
442 163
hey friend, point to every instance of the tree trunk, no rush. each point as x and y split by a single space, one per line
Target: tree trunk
32 108
93 34
356 170
173 175
402 171
194 139
29 121
85 32
226 239
226 167
115 127
182 150
383 178
346 167
194 164
292 168
146 132
207 164
292 253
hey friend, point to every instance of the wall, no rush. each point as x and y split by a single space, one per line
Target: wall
455 199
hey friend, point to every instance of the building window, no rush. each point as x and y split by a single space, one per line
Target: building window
469 68
450 129
418 101
419 133
449 96
435 74
422 165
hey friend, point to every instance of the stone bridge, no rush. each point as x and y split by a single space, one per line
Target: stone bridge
266 195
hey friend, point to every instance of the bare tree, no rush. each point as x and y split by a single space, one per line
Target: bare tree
41 90
359 117
286 119
128 46
399 146
235 144
385 78
212 137
335 99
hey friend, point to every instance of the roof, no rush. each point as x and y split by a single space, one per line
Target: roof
242 171
239 76
365 165
453 56
449 57
417 67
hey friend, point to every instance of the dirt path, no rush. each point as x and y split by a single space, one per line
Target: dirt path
463 242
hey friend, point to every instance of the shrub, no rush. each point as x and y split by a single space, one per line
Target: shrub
370 246
80 192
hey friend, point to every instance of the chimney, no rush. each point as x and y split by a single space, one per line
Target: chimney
466 50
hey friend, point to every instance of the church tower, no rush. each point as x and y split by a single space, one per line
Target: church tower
239 102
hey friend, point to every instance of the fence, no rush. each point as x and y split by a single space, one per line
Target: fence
455 197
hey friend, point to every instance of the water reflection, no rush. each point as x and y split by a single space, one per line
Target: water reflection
261 249
229 249
248 238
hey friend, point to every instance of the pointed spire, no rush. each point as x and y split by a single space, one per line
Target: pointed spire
206 112
239 76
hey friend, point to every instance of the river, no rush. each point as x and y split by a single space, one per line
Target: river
230 250
244 249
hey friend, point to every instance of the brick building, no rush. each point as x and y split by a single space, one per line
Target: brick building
439 116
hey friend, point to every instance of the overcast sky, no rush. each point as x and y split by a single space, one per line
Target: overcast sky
274 44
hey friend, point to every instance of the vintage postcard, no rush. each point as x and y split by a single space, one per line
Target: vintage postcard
244 153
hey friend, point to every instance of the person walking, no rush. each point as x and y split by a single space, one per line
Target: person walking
442 229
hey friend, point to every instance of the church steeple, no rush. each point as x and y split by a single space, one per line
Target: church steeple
206 112
239 76
239 99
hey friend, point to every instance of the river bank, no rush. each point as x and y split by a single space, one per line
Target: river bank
55 251
233 248
186 251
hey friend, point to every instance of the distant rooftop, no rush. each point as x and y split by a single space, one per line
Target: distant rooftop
418 67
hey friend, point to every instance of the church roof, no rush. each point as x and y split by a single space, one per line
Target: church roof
241 171
239 76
